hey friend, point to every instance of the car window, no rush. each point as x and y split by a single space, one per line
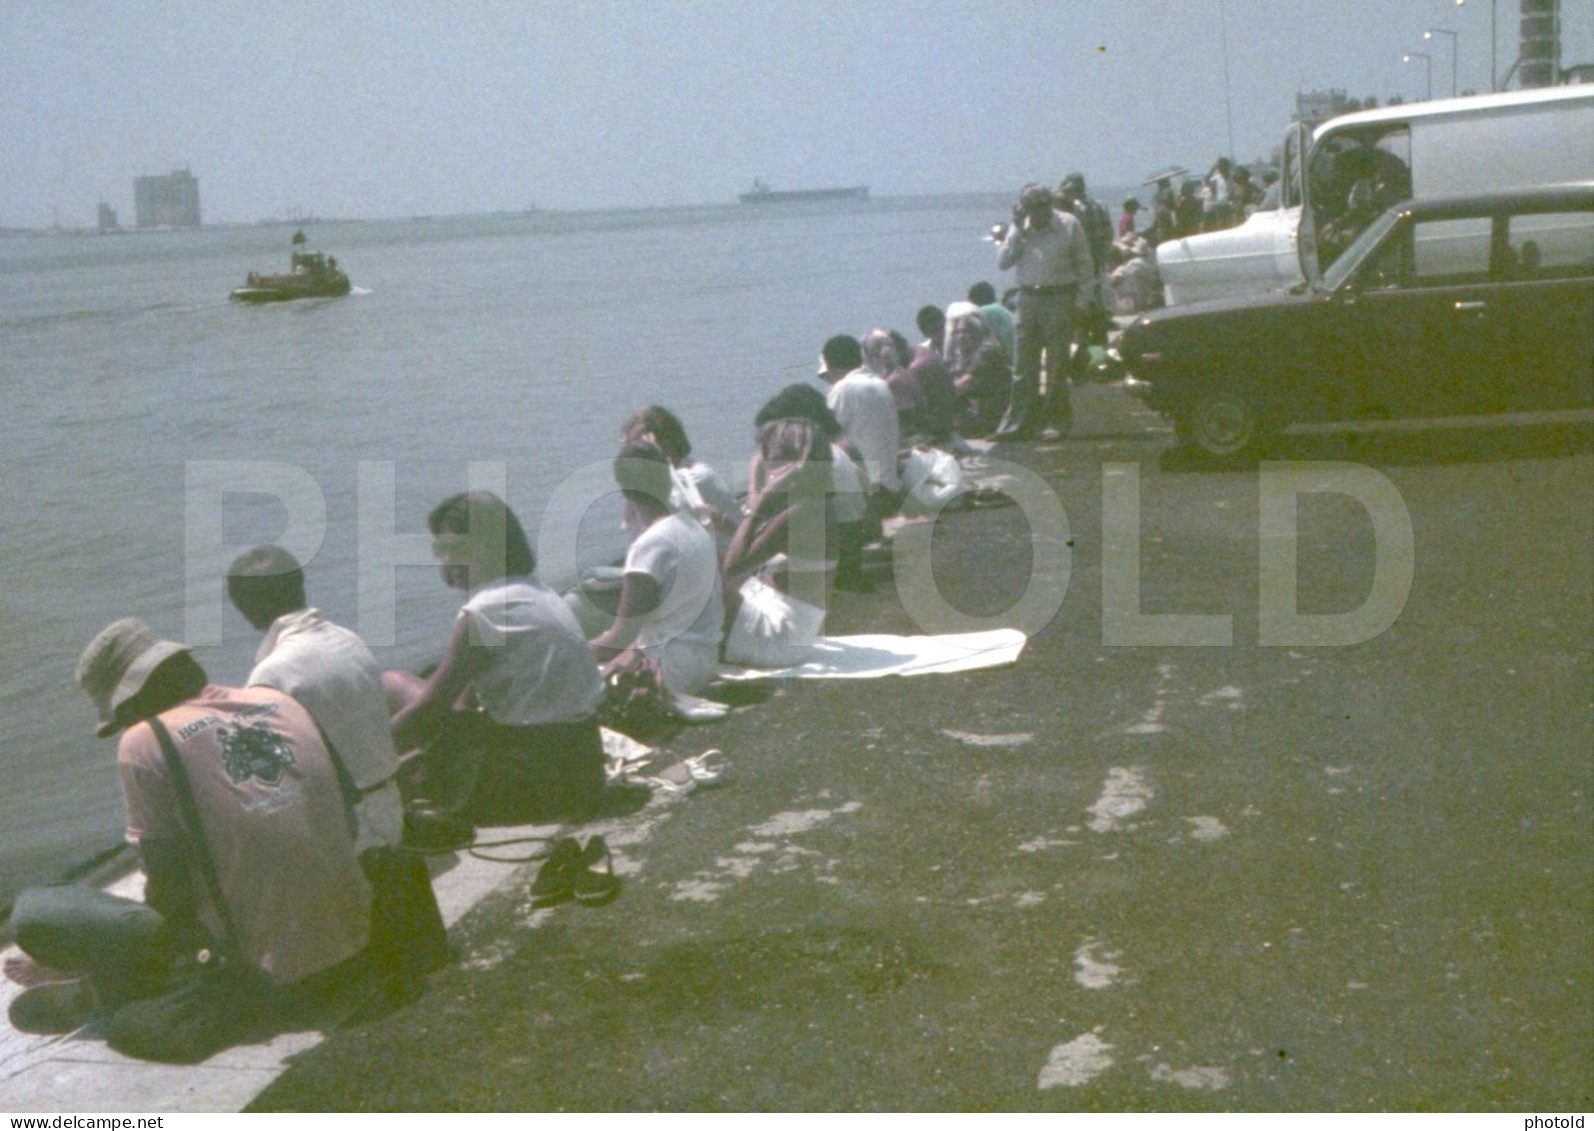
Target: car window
1375 267
1551 245
1448 253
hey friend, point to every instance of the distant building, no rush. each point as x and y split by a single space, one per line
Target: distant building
171 201
1315 107
1539 60
108 221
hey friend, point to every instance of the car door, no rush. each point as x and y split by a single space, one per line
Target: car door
1297 255
1421 310
1545 310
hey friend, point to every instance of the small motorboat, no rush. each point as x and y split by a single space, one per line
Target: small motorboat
311 275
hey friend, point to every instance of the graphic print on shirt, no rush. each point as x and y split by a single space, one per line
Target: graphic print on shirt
254 750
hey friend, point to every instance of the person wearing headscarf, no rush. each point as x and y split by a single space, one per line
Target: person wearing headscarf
782 556
981 371
697 488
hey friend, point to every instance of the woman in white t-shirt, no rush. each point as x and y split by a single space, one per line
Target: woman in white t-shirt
670 606
505 726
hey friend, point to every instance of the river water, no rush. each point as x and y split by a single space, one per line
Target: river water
152 429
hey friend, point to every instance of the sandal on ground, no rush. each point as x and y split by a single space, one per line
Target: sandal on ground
709 768
678 784
591 887
555 880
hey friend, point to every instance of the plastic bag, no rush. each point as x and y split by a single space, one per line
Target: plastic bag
933 478
772 629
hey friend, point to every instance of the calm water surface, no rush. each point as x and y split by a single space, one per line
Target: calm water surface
518 341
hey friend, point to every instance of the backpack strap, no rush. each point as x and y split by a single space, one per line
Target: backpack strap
196 830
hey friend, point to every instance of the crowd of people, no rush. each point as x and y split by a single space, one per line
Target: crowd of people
280 823
1222 199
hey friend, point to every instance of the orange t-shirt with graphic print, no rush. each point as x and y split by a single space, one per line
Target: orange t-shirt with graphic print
273 821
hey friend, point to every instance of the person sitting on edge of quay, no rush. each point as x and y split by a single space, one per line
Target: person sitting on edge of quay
931 321
926 401
998 318
671 608
780 561
254 901
506 726
982 373
857 397
332 674
1050 258
849 490
863 406
698 489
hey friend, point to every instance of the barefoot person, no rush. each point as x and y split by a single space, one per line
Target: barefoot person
233 804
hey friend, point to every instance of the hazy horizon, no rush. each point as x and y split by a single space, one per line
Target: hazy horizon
365 110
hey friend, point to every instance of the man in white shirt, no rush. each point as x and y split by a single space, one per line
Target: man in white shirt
1050 258
863 405
332 674
329 669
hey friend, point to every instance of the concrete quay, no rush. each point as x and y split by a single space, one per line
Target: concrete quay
1242 877
1246 875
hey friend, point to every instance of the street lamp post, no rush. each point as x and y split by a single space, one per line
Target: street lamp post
1454 40
1427 61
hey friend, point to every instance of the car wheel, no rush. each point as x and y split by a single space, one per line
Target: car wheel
1223 422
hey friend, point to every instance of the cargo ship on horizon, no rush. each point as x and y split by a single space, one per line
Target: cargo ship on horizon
761 193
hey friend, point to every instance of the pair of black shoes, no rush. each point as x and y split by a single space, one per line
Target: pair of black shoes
572 871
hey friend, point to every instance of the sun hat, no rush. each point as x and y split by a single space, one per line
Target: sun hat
116 665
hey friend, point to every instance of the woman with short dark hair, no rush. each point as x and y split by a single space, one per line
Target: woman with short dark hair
505 726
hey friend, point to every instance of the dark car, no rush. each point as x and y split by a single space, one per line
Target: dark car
1441 307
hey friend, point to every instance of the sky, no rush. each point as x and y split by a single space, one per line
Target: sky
390 108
